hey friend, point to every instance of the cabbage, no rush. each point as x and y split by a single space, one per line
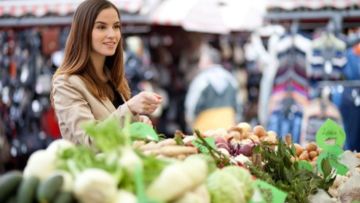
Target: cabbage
223 187
243 176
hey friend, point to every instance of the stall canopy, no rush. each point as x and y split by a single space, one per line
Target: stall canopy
210 16
311 4
39 8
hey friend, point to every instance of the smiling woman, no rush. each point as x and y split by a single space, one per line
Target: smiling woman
90 84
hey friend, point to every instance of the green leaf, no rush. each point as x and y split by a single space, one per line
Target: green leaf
326 167
333 162
107 135
198 144
305 165
277 195
139 130
140 187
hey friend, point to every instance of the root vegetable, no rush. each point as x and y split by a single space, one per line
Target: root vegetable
298 149
177 150
41 164
95 186
254 138
311 147
177 179
313 154
245 127
149 146
224 151
259 131
166 142
304 155
138 143
235 135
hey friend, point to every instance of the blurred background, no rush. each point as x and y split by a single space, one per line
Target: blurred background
296 63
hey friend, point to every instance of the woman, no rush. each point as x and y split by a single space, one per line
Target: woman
90 84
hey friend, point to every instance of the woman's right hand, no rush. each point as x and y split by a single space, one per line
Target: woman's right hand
144 103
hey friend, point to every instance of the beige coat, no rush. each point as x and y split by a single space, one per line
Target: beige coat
74 104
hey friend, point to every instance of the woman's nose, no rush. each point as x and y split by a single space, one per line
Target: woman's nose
111 33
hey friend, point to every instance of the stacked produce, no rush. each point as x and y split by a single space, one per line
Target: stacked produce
115 172
220 166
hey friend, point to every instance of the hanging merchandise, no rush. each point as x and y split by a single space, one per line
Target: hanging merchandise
50 40
315 114
350 100
261 60
328 58
290 85
25 87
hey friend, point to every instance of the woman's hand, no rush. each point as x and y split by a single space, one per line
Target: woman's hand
144 103
145 119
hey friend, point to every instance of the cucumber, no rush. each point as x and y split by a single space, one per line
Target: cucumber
49 188
12 199
9 182
27 190
64 197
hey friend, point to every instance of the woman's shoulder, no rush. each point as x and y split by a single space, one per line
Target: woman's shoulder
73 80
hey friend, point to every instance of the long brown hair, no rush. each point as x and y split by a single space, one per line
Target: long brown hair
77 52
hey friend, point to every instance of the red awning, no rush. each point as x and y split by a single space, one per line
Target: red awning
18 8
311 4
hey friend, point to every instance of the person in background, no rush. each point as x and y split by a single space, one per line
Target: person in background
211 100
135 69
90 84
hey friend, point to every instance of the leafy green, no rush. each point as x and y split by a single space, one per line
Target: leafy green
142 131
77 159
279 170
220 159
140 186
107 135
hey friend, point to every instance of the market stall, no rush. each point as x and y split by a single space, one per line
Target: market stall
239 164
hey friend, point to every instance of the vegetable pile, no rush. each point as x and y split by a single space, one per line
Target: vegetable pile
133 164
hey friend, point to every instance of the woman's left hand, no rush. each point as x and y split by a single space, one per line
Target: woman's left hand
145 119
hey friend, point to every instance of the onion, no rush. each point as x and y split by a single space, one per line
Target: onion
246 149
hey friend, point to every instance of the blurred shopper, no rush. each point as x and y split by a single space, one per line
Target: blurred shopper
134 66
211 101
90 84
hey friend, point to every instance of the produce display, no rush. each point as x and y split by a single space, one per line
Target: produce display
133 164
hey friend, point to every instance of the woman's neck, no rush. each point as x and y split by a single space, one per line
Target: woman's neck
98 63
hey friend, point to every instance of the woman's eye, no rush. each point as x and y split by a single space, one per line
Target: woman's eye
117 26
101 27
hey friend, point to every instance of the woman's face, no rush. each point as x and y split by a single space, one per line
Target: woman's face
106 33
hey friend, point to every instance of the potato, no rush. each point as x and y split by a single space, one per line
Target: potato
311 147
259 131
272 134
254 138
270 139
304 156
245 127
234 134
313 154
299 149
315 158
